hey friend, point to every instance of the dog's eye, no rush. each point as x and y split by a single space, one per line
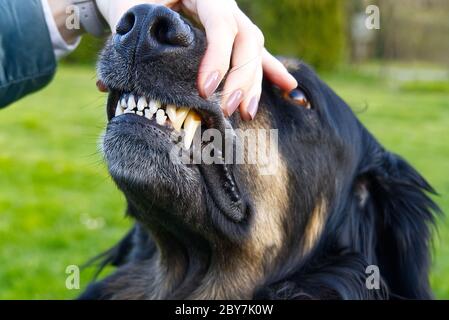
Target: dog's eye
298 97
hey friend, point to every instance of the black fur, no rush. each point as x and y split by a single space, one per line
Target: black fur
378 211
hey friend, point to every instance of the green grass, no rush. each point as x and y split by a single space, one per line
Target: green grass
426 86
58 207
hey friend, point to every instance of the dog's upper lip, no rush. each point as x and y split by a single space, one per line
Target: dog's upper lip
101 86
210 112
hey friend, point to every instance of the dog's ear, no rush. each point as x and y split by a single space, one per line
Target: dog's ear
393 201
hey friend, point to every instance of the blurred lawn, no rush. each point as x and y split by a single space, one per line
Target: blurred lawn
58 207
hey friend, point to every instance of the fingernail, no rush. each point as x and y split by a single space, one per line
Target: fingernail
233 102
253 106
211 83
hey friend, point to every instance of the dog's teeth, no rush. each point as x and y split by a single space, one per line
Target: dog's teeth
131 102
142 103
191 124
123 103
177 116
139 113
148 114
118 110
171 112
128 111
153 106
160 117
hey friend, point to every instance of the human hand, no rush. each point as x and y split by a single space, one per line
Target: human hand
235 48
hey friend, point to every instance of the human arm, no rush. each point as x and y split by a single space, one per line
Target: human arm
27 62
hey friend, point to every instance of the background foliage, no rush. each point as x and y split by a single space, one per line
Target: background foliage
87 51
311 29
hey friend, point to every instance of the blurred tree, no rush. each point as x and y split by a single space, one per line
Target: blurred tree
414 30
313 30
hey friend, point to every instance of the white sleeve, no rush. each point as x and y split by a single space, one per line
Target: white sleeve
60 46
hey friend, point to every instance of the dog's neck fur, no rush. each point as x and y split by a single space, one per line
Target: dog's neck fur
191 269
185 267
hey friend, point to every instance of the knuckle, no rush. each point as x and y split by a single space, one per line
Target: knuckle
253 33
222 27
233 28
228 23
259 36
221 24
237 82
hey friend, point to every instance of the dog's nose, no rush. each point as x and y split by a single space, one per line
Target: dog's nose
147 31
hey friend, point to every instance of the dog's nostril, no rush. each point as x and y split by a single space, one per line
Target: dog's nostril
159 31
147 31
126 24
164 31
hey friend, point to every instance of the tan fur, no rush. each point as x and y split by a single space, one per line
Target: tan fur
151 279
314 227
237 273
270 198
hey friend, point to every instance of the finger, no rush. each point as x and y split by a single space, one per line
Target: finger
241 77
246 61
276 72
221 29
250 104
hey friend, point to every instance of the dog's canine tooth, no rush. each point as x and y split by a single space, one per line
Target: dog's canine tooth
131 102
148 114
191 124
123 103
171 112
153 106
120 105
177 116
118 110
142 103
160 117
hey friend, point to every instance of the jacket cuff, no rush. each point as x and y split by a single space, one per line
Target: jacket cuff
27 61
60 47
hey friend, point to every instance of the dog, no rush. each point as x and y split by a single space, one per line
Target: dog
336 208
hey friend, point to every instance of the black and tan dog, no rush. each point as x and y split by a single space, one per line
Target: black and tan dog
336 203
